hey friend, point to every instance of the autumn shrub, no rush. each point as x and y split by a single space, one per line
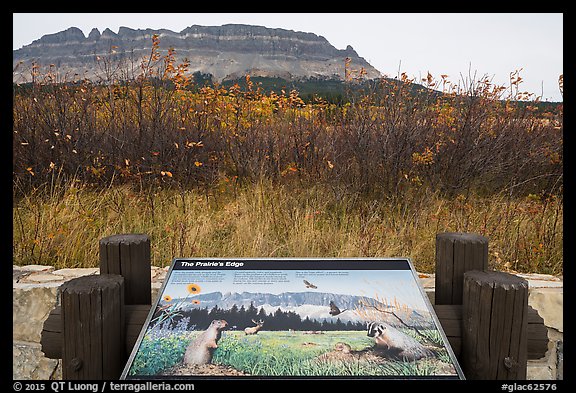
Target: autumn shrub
141 140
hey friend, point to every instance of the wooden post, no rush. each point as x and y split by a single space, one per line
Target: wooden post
494 324
93 327
457 253
129 256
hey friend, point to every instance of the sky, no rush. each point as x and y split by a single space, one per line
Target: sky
385 285
464 46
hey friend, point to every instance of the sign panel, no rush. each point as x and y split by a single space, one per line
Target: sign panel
292 318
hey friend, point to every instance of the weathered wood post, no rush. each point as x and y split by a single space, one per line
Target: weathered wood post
495 321
457 253
129 256
92 321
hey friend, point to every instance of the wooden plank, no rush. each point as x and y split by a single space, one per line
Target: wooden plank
448 311
140 272
457 253
443 277
452 327
92 306
53 322
462 248
70 314
500 345
109 256
51 343
483 328
456 344
135 317
129 256
470 320
494 344
127 271
92 327
136 314
521 303
114 354
537 348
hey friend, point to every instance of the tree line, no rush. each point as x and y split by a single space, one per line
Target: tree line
239 318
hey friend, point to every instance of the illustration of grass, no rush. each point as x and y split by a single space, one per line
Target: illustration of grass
279 353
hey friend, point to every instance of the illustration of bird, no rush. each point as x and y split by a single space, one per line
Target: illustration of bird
334 310
309 285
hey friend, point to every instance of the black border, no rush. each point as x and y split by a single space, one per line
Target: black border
292 264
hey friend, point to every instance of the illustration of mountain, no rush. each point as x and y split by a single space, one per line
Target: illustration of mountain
314 305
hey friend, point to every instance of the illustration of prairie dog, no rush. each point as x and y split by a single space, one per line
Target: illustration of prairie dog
200 350
342 347
396 344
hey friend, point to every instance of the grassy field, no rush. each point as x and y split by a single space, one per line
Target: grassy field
62 226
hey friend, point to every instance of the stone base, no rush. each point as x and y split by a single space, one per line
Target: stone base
551 366
30 363
35 293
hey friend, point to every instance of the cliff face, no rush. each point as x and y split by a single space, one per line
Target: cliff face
227 51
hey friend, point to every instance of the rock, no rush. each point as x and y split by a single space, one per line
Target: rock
549 304
157 273
36 268
155 290
94 34
427 281
31 305
41 277
29 363
225 52
536 280
78 272
17 275
539 371
560 360
547 367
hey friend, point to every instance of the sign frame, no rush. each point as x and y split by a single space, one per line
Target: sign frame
302 264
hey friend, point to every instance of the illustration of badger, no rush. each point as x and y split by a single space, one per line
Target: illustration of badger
200 350
395 344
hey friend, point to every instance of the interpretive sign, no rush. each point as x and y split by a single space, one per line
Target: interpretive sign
292 318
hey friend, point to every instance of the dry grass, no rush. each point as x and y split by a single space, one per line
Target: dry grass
61 226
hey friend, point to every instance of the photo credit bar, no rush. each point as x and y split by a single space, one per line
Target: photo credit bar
102 386
149 386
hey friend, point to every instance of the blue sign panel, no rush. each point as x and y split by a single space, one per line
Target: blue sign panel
292 318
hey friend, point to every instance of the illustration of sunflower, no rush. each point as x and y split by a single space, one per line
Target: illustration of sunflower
167 298
195 301
193 289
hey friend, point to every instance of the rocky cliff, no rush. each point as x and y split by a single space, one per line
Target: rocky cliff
225 52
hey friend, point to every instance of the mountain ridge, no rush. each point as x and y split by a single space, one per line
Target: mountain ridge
225 52
314 305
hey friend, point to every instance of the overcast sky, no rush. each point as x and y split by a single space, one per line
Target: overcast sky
454 44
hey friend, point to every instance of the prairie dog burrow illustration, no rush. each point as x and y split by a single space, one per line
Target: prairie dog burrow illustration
342 347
